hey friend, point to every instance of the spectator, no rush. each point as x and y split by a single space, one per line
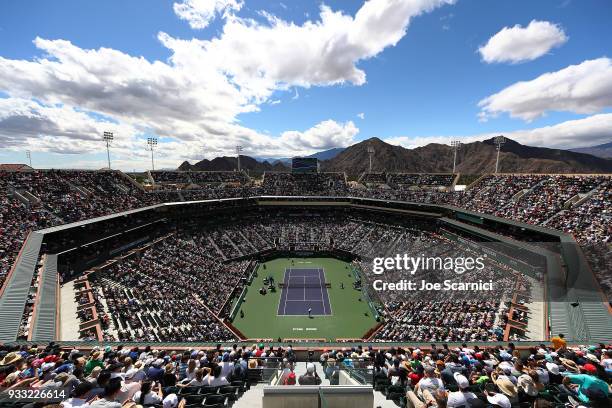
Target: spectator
146 396
310 377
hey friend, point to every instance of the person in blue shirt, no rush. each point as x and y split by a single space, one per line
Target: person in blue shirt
155 372
585 382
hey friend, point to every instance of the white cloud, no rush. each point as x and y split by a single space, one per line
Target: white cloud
199 13
26 124
590 131
325 135
361 115
518 44
584 88
58 129
281 54
198 94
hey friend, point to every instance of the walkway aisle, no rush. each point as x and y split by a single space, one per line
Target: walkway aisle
536 323
69 321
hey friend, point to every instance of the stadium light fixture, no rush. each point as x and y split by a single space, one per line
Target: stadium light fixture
370 154
499 141
108 138
456 145
239 149
151 145
29 157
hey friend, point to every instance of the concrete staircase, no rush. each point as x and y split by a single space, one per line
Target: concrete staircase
17 287
45 318
69 321
537 312
253 397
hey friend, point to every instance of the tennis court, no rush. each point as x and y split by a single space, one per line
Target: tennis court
303 289
261 318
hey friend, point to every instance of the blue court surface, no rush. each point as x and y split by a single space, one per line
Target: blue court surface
303 289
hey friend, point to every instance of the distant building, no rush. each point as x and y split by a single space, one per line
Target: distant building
15 167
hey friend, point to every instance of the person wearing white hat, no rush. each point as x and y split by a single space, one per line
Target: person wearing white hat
554 373
592 357
527 388
498 399
461 397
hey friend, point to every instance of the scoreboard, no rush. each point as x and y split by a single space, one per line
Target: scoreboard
304 165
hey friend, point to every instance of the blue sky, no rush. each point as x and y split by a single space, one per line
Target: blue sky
424 87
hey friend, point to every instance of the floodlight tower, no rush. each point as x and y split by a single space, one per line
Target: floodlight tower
238 151
29 156
456 145
151 145
499 141
108 139
370 154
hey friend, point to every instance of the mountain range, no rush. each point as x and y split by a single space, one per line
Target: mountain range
323 155
472 158
602 150
228 163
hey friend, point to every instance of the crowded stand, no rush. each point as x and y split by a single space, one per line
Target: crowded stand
171 292
158 293
183 178
65 196
496 192
440 180
453 316
373 178
578 205
170 177
135 288
17 219
423 180
72 195
409 194
402 180
450 320
599 256
297 184
570 203
590 221
211 177
506 376
549 197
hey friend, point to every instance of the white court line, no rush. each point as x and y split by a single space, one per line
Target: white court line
331 309
286 277
321 288
289 274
